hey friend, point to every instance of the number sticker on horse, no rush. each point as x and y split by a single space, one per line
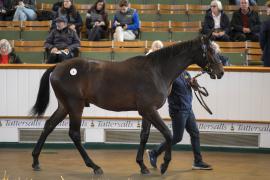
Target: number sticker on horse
73 72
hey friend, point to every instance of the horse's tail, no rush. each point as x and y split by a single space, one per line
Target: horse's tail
43 96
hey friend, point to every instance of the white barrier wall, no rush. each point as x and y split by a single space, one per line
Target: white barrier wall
237 96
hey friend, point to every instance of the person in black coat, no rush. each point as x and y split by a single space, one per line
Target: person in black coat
97 22
265 38
6 11
62 42
217 21
245 23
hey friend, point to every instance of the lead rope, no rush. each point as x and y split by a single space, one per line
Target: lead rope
202 91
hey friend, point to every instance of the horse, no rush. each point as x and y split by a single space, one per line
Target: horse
140 83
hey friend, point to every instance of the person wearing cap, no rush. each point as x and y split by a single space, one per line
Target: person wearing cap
245 23
217 22
265 38
69 11
62 42
125 22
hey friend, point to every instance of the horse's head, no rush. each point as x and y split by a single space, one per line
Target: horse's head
210 61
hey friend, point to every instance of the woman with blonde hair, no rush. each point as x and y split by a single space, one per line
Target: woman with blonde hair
7 56
156 45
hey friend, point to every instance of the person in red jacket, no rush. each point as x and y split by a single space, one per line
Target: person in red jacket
7 56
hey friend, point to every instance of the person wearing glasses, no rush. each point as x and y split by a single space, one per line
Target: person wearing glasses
217 22
7 55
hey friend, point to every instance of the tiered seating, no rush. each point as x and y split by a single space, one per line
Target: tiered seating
35 30
30 51
26 30
124 50
168 12
239 53
155 30
242 53
235 51
96 50
10 30
181 31
166 20
253 53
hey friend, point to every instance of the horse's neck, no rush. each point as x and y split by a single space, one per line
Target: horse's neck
175 63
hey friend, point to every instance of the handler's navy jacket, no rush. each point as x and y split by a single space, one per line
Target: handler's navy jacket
180 98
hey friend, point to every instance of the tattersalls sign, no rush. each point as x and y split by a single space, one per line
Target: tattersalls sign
136 124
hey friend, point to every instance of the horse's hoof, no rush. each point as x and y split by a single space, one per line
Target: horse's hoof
163 168
145 171
98 171
36 167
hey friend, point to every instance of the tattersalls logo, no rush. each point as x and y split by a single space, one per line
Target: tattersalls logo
92 124
139 125
232 127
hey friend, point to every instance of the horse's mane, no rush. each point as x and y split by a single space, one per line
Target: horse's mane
173 49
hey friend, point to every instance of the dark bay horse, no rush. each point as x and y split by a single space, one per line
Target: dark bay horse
141 83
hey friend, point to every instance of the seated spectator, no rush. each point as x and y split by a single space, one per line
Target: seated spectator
6 13
25 10
74 18
217 22
7 56
156 45
62 42
265 38
237 2
126 22
97 21
245 23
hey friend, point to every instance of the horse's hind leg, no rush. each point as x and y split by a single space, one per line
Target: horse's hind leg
75 114
144 137
50 124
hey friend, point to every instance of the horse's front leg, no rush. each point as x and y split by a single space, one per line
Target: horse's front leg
75 114
143 140
50 124
155 119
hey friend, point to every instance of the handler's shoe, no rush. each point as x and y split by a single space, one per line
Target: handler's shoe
152 158
201 166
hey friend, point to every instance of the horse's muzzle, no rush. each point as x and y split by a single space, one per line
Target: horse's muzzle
220 75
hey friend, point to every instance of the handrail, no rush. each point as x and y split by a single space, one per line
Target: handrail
190 68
